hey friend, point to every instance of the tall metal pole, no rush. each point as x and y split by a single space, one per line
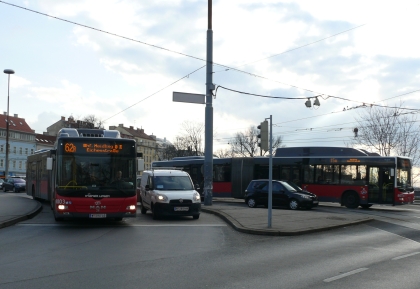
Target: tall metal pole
270 175
6 172
208 149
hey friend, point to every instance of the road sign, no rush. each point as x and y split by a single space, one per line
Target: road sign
188 97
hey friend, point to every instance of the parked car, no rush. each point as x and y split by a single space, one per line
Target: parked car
14 184
283 195
169 193
1 183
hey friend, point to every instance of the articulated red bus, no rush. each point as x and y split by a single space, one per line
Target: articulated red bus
347 176
89 173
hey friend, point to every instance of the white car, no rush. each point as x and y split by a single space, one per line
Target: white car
169 193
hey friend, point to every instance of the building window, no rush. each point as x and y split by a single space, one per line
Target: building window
1 148
14 164
14 150
26 151
20 150
32 151
20 165
1 162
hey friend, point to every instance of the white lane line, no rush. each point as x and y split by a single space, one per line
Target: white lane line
405 256
345 275
121 226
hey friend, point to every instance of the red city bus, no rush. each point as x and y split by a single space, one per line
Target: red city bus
347 176
89 173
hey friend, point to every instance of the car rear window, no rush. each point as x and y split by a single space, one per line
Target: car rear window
19 180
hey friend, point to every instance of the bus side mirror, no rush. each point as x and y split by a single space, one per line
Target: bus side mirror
49 164
140 165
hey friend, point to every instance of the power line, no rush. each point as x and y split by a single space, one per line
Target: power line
186 76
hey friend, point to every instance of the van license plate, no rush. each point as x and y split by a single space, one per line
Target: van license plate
178 209
97 216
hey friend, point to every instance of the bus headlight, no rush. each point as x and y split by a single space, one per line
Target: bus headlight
62 207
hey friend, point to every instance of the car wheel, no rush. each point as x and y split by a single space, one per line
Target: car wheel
195 217
251 202
351 200
4 189
143 209
15 190
293 204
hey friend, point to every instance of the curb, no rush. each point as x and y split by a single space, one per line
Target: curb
16 220
273 232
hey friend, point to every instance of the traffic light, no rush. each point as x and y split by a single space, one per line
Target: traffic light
263 127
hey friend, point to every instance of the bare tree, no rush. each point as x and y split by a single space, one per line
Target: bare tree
192 137
224 153
93 122
389 131
246 143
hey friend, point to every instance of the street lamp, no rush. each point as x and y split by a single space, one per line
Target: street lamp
6 173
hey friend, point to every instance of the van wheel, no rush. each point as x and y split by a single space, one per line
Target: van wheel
155 214
143 209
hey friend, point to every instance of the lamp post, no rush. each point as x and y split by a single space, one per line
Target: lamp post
6 173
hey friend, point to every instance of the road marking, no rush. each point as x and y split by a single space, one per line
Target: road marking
345 274
405 256
118 225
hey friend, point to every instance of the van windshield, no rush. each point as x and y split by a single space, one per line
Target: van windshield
169 183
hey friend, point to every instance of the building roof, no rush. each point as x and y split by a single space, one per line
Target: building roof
138 132
45 139
15 123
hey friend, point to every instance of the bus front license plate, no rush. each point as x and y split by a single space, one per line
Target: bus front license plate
179 209
97 216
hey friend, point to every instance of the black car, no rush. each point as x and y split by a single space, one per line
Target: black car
283 195
14 184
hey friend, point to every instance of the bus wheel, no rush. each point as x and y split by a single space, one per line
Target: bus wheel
351 200
57 219
366 206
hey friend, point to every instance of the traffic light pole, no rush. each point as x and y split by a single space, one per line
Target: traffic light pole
208 135
270 175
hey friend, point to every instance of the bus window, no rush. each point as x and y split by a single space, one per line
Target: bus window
308 174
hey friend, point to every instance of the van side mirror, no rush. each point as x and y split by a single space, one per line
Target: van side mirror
197 186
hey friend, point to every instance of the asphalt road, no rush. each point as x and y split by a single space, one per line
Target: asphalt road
206 253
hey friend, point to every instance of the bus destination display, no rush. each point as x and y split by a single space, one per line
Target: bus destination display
92 148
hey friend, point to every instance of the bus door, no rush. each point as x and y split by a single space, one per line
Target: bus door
381 185
38 168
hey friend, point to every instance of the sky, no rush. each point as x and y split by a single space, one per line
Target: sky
121 61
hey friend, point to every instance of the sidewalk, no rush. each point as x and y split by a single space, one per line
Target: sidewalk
15 209
284 222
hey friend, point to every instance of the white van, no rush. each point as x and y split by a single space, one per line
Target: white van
168 192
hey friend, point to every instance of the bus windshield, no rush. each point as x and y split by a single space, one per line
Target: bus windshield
81 174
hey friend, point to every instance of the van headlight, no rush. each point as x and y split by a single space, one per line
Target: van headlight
161 198
197 197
